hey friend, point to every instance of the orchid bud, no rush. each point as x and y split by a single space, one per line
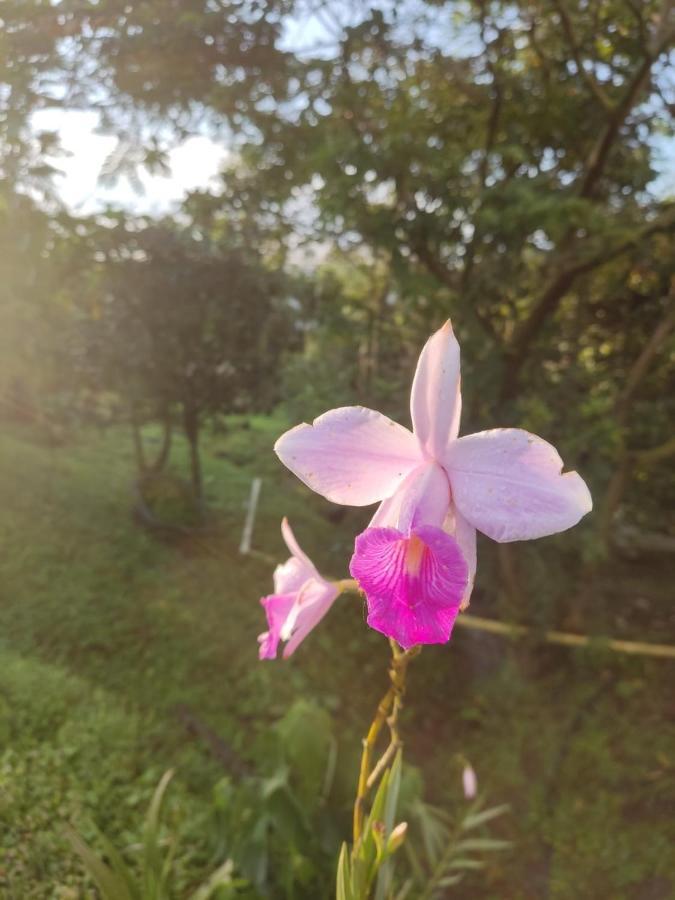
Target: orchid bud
469 782
397 837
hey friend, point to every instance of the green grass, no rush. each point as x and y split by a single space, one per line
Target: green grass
108 631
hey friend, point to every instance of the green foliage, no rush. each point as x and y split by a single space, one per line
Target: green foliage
67 751
118 881
179 327
116 630
368 866
282 826
447 849
438 849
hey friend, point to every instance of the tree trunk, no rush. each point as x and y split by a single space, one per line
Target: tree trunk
191 426
165 449
138 440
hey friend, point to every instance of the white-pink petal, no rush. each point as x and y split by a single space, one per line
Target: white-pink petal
422 498
509 484
293 545
312 605
291 575
435 401
350 455
465 535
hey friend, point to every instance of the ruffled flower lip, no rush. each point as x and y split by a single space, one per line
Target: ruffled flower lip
413 582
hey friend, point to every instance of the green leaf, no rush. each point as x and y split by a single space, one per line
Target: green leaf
119 865
365 857
377 809
222 877
450 880
405 890
473 821
153 869
111 885
466 864
344 887
483 844
391 799
414 861
434 832
308 745
386 871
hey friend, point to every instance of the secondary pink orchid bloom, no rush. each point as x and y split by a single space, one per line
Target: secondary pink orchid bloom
300 600
416 562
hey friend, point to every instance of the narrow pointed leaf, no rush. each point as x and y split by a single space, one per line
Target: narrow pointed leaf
112 886
386 872
344 888
480 818
483 844
450 880
220 878
466 864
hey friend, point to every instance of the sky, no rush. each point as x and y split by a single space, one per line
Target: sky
194 164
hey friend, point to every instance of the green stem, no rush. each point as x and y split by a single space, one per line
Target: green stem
387 712
346 585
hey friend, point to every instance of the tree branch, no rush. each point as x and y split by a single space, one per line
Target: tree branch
641 365
558 286
563 280
448 278
597 159
434 265
588 77
624 468
483 170
655 454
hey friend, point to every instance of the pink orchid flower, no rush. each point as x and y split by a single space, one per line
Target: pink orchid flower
416 562
300 600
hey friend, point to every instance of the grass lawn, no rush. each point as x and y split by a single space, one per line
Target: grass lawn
111 636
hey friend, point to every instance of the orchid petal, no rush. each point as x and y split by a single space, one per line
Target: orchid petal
277 607
317 599
435 400
465 535
386 513
291 575
294 547
508 484
350 455
423 498
413 585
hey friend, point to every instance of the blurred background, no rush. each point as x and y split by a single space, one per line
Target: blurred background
219 218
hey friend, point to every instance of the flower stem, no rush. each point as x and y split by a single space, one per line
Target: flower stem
348 584
387 712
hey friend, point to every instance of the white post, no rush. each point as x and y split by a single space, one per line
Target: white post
252 505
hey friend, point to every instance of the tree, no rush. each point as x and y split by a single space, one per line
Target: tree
178 324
